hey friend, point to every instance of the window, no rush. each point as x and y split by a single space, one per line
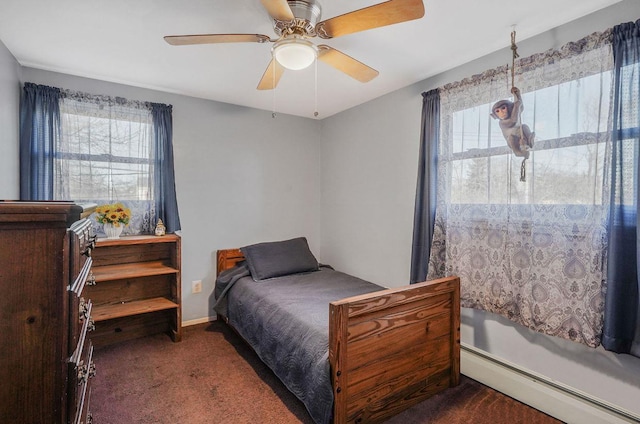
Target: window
105 155
80 147
570 121
533 250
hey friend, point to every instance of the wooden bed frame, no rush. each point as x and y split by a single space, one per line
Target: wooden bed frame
391 349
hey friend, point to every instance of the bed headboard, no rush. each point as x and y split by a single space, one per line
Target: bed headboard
228 258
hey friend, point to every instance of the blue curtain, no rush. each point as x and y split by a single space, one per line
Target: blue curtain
39 132
164 177
425 207
621 317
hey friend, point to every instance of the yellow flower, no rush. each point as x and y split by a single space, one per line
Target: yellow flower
115 213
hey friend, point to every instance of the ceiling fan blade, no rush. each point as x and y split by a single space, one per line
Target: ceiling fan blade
183 40
271 76
346 64
278 9
379 15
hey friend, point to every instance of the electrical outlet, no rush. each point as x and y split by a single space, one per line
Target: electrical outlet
196 286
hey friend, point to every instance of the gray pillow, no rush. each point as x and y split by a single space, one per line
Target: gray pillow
279 258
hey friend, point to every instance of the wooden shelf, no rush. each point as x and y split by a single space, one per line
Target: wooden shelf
131 270
138 289
131 240
135 307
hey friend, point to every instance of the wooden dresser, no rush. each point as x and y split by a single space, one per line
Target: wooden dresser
138 288
45 265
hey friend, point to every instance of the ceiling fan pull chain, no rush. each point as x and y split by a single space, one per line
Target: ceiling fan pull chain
315 113
273 107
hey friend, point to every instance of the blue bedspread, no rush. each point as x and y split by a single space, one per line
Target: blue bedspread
286 321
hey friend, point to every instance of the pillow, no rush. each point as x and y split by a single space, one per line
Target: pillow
279 258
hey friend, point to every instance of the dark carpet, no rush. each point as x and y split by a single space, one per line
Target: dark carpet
212 376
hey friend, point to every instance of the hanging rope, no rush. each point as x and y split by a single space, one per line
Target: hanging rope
523 170
506 78
515 55
514 50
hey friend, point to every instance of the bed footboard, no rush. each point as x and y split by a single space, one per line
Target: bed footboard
392 349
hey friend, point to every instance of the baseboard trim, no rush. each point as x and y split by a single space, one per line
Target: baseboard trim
198 321
553 398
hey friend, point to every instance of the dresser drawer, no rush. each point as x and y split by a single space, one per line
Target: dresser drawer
81 367
83 241
81 372
80 305
84 413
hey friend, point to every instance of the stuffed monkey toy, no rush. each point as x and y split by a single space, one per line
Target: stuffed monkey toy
518 136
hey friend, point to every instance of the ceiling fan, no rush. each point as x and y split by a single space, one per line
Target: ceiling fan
296 21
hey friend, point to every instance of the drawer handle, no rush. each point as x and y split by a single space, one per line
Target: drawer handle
92 369
82 375
83 309
91 326
89 418
86 372
91 245
91 280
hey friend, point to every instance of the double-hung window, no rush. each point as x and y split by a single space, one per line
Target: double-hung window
567 163
105 154
85 148
533 248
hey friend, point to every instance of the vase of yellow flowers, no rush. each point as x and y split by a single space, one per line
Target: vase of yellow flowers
114 218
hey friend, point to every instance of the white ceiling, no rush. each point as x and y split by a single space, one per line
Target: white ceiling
121 41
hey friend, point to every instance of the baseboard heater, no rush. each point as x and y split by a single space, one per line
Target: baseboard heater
556 399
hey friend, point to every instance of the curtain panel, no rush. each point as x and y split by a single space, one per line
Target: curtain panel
425 207
39 134
531 251
622 311
164 180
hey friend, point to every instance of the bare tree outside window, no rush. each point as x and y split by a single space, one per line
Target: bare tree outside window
106 155
570 123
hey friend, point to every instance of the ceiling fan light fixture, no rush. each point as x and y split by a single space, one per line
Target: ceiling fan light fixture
295 53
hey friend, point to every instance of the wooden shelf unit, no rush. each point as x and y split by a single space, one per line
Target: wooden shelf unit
137 289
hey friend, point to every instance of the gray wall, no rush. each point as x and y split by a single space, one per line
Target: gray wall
369 163
241 177
9 123
348 185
